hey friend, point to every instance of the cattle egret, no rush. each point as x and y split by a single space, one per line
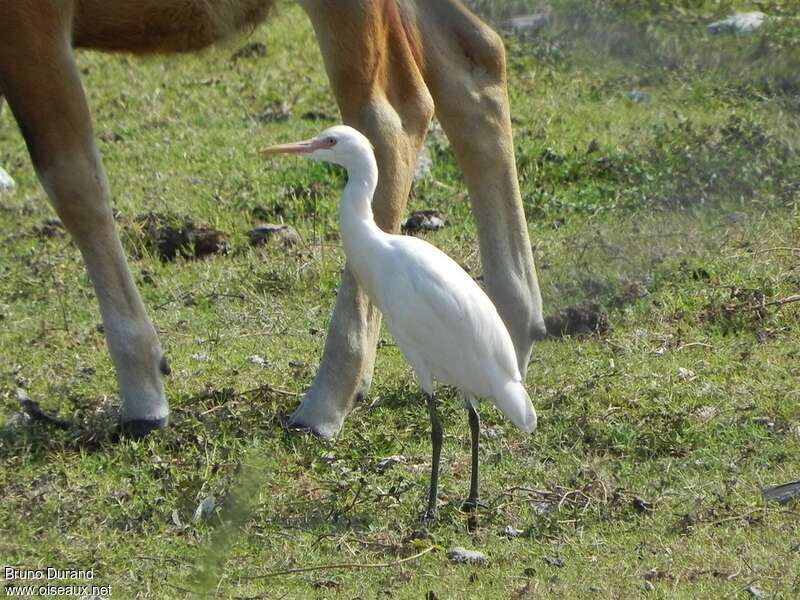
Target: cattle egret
444 323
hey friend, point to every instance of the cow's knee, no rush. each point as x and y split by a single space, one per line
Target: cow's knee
484 50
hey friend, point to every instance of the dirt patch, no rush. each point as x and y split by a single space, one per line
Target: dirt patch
581 319
49 229
275 113
109 136
170 236
251 50
317 115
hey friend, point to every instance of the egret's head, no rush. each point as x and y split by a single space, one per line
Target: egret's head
341 145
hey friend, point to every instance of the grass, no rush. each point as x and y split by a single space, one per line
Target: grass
678 215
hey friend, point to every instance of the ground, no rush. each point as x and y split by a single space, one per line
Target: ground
659 167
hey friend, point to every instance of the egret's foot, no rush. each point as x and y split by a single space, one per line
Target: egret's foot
138 428
473 504
429 517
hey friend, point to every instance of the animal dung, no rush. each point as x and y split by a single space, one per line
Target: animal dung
170 236
251 50
208 241
50 228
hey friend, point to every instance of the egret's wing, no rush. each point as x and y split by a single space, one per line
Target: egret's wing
435 308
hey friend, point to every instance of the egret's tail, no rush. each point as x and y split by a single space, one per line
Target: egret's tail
514 402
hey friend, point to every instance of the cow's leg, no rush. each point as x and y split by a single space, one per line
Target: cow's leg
464 68
40 81
6 182
380 91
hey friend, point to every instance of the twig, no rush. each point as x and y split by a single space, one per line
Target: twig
268 388
210 296
216 594
168 559
779 303
695 345
739 517
186 590
352 504
782 301
340 566
789 249
219 406
444 186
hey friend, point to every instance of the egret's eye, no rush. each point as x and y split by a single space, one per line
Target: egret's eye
331 141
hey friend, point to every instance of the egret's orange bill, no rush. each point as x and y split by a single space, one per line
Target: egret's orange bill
304 147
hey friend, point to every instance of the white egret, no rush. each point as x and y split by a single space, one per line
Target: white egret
444 323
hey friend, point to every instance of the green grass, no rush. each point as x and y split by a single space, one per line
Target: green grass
678 215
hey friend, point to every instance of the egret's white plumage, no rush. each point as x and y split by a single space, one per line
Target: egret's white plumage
447 327
444 323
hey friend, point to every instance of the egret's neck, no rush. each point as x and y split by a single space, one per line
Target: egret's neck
356 210
361 237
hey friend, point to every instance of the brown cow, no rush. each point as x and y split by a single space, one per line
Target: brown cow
391 63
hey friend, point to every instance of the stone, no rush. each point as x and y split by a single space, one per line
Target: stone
527 25
743 22
423 220
204 509
457 554
283 235
7 184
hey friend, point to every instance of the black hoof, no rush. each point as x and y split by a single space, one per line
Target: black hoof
138 428
299 428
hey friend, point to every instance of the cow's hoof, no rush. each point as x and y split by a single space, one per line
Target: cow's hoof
138 428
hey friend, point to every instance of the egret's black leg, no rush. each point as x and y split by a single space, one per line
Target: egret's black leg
473 501
436 441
